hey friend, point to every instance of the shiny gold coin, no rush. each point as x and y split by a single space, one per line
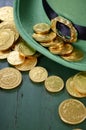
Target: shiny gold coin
71 89
56 41
10 25
4 54
61 48
76 55
6 39
72 111
6 13
38 74
67 49
57 49
41 28
47 44
80 82
28 64
26 49
10 78
15 58
44 37
54 83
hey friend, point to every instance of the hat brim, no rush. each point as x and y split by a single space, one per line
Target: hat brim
26 15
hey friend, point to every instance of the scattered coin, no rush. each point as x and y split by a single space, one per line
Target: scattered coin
28 64
10 78
15 58
44 37
80 82
10 25
41 28
71 88
54 83
6 13
26 49
6 39
72 111
38 74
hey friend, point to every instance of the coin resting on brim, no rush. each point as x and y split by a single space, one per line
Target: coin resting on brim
72 111
41 28
61 48
54 83
59 45
44 37
75 55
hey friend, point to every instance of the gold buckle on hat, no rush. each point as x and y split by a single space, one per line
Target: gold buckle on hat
73 31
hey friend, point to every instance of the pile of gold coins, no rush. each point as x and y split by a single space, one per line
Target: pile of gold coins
15 50
22 57
48 37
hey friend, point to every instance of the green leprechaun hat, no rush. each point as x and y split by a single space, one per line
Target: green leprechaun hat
69 21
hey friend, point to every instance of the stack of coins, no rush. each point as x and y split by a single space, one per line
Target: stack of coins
76 85
12 46
44 34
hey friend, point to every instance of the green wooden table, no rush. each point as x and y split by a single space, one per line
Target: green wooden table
30 106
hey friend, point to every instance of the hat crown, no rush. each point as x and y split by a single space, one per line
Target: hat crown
74 10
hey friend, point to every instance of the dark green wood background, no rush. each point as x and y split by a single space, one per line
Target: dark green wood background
30 106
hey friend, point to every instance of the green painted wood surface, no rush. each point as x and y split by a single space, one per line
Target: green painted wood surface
30 106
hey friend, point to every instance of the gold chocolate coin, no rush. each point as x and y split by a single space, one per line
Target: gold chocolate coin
80 82
38 74
44 37
26 49
28 64
41 28
6 39
67 49
6 13
71 88
10 25
47 44
57 49
76 55
56 42
10 78
54 83
72 111
15 58
4 54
